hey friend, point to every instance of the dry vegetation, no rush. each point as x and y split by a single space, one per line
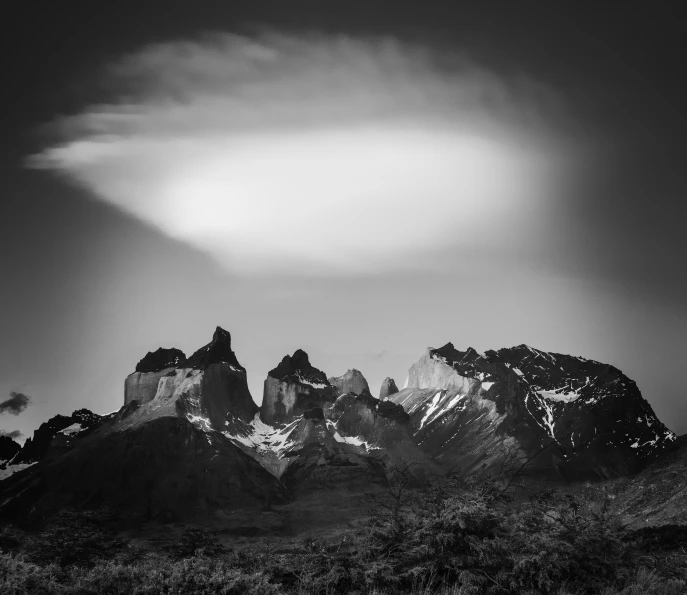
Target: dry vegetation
451 537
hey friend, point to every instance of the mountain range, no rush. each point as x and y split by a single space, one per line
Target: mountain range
189 441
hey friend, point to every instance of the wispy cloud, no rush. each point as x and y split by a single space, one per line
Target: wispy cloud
330 153
17 403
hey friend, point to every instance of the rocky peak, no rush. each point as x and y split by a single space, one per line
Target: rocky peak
388 388
351 382
218 351
298 367
591 418
294 387
155 361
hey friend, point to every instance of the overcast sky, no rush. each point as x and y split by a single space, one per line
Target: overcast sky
360 183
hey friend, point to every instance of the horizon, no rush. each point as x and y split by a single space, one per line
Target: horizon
357 183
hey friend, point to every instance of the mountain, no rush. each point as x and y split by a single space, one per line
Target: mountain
8 449
351 382
293 387
571 417
388 388
162 455
57 434
311 436
189 442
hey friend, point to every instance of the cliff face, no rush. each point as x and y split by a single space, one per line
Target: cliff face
293 387
474 411
351 382
212 380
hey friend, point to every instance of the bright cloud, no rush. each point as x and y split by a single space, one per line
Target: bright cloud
329 153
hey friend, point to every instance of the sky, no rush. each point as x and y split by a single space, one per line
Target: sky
361 180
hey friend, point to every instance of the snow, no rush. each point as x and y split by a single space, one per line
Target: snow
548 420
432 408
454 401
302 380
405 384
354 440
487 385
263 437
73 429
518 372
199 419
559 395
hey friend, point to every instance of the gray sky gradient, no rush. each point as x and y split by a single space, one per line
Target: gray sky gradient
518 205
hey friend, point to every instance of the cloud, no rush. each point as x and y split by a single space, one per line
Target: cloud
15 404
14 434
329 153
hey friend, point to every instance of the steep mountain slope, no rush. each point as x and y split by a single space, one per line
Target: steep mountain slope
575 418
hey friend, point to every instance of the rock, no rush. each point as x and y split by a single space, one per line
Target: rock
351 382
161 359
212 382
8 449
388 388
293 387
218 351
579 418
57 435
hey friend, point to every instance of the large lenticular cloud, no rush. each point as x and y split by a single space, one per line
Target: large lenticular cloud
330 154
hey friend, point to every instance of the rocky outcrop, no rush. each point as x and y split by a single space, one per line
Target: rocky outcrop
211 382
388 388
351 382
293 387
161 359
582 419
218 351
8 449
58 434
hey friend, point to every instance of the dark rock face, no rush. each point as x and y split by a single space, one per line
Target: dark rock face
351 382
8 449
216 352
388 388
57 434
588 419
293 387
154 361
167 469
298 367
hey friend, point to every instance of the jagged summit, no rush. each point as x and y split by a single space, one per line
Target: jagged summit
351 382
293 387
216 352
155 361
299 368
588 417
388 388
